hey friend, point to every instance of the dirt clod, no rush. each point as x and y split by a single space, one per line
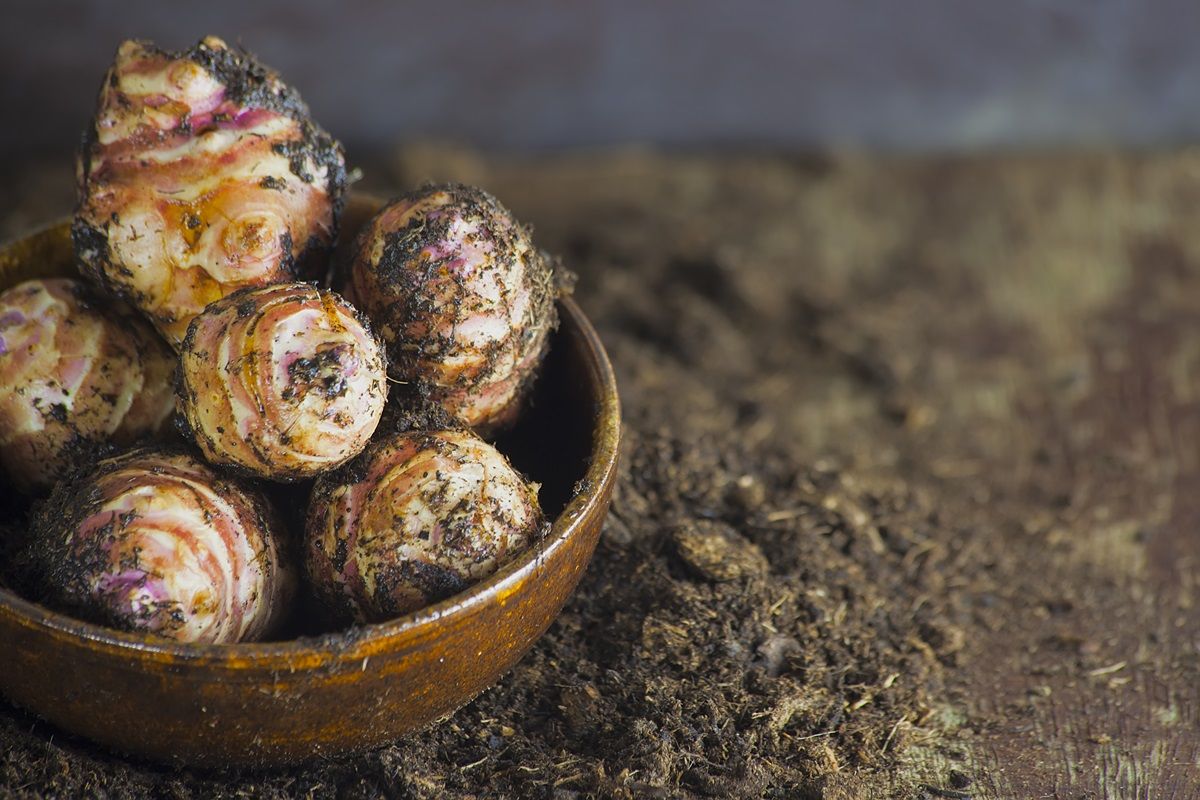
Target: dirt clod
714 551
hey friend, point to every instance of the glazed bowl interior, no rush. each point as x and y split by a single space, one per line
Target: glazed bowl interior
278 702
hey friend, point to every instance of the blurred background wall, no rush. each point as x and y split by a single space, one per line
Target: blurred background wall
894 74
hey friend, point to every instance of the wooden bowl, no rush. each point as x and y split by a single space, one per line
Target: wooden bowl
277 703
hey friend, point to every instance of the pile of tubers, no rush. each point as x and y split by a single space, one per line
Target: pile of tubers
209 352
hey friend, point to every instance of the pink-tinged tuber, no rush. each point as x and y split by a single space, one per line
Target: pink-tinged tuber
201 173
461 297
417 517
74 376
155 541
282 382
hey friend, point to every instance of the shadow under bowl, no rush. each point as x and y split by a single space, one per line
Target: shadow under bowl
277 703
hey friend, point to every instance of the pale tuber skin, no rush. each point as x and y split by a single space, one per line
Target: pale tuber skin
154 541
460 296
283 382
77 372
201 174
418 517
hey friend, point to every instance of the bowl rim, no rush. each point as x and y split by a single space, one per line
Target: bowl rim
361 640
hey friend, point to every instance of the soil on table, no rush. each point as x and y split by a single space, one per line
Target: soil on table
908 503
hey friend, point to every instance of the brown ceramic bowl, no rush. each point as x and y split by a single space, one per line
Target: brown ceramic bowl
282 702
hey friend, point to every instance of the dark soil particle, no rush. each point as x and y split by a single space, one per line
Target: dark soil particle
320 372
901 514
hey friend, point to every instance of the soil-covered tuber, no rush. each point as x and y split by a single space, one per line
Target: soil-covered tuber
155 541
201 173
76 372
282 382
419 516
461 297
